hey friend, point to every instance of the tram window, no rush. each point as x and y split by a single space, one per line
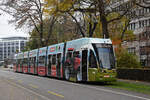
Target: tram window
76 54
18 61
34 60
54 59
92 60
59 57
69 55
25 61
49 59
41 59
31 61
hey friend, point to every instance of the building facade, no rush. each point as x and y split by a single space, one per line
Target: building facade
141 28
11 45
140 25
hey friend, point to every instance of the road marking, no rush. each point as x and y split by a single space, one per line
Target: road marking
106 90
120 93
114 92
33 86
20 81
19 86
12 78
53 93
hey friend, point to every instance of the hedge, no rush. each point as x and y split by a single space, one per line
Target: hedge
134 74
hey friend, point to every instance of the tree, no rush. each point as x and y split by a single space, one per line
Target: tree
143 4
127 60
30 13
62 31
98 10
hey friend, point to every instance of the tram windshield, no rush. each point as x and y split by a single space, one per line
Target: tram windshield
105 55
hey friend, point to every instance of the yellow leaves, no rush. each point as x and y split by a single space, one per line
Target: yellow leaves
108 1
112 15
51 2
66 4
54 7
129 36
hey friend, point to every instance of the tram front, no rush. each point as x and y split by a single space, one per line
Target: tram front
102 63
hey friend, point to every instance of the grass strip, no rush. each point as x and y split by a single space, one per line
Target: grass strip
136 87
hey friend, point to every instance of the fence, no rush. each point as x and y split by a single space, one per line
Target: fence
134 74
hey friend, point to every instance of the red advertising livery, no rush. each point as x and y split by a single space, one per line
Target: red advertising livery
85 59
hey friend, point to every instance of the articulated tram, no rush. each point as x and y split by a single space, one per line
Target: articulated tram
85 59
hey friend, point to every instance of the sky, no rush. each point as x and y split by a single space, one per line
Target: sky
8 30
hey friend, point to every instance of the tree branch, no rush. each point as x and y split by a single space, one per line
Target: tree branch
78 24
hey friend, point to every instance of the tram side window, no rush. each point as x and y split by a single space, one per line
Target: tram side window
69 55
76 54
59 57
49 59
42 60
54 59
92 60
69 59
25 61
18 62
31 62
34 59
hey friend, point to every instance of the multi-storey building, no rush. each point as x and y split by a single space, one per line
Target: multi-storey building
140 25
10 45
141 28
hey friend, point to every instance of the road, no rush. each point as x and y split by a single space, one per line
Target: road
18 86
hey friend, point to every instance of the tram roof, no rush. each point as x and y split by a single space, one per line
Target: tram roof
33 53
91 40
20 55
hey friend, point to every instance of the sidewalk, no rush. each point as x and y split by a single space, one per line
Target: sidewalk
133 81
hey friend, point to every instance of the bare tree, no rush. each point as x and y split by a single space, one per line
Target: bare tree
100 10
143 4
28 13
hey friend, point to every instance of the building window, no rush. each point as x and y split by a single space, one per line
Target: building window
143 23
134 25
146 22
140 24
131 50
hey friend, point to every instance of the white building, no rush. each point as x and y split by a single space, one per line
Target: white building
140 25
10 45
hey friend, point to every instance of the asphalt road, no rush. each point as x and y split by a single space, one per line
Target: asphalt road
17 86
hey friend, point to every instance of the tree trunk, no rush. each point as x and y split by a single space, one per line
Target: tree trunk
104 26
92 29
103 18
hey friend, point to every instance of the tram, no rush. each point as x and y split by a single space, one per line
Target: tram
85 59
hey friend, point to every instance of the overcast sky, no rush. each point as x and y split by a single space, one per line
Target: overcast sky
8 30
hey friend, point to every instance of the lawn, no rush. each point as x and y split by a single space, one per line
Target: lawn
137 87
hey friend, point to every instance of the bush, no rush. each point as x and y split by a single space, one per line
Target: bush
127 60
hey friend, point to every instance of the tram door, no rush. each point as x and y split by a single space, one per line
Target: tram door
30 60
84 65
18 64
20 69
53 66
58 65
35 65
49 64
